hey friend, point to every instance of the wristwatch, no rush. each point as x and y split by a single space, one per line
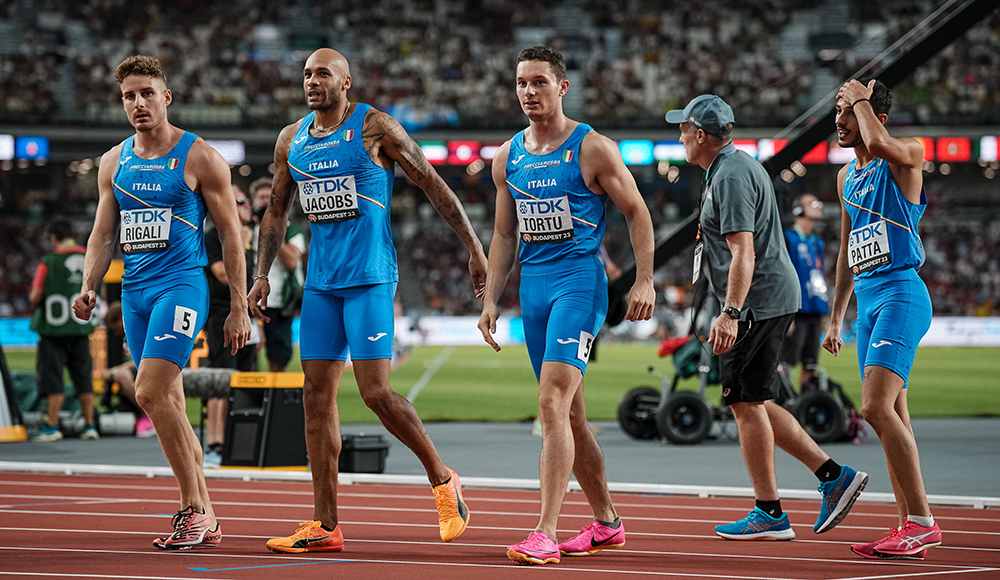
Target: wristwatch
732 311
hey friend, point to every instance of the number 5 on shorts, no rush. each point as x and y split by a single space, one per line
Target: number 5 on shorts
185 320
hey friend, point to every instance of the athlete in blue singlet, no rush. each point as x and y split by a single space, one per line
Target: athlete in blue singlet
882 199
339 161
553 180
154 190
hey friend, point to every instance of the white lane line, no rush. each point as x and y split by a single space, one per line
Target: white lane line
262 489
718 555
36 510
369 523
505 565
102 576
434 367
346 479
916 574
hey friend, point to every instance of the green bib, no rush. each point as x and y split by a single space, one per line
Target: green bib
54 316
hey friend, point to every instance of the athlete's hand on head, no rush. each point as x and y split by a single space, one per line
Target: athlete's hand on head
853 90
833 342
236 330
641 299
477 268
84 304
723 334
488 324
257 299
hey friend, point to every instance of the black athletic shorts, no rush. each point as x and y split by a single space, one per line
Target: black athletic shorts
802 345
748 369
219 355
58 352
278 334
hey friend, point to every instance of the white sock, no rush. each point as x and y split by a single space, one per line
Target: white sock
925 521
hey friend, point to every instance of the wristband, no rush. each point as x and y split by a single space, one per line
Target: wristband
855 103
260 277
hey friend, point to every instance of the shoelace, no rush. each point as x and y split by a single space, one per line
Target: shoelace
303 530
449 508
823 492
893 532
538 541
179 522
590 528
909 526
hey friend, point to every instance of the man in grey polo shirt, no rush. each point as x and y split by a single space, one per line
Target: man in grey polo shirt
751 275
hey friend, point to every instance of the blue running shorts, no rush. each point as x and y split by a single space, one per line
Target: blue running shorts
563 306
357 319
894 313
163 320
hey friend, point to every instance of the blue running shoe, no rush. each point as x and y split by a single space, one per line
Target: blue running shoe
758 526
838 497
48 433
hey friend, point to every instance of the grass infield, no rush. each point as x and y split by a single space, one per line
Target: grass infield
473 383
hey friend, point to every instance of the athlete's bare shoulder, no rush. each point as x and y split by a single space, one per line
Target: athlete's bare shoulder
203 156
113 154
379 123
502 152
380 129
388 143
599 156
594 142
109 163
499 169
842 175
287 135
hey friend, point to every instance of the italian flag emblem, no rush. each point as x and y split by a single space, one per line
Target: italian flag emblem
348 134
567 156
172 163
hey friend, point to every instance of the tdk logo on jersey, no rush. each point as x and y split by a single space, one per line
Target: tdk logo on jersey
147 187
869 232
543 206
323 165
332 185
542 183
145 217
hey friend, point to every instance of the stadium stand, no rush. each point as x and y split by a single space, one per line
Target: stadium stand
446 64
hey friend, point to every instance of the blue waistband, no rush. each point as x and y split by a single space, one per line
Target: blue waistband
561 265
879 279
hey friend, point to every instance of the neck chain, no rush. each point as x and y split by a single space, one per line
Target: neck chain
319 129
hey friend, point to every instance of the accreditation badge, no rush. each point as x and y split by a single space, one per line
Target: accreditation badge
696 273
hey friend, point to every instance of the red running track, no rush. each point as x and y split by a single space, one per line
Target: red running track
58 526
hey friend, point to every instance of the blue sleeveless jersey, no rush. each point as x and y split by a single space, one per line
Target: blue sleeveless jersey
345 196
883 222
806 253
558 216
162 219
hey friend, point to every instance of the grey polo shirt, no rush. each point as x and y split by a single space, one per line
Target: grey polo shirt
740 198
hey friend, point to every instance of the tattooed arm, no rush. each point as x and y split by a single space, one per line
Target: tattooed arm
275 221
388 142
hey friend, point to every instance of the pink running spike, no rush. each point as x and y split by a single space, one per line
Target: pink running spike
191 530
593 538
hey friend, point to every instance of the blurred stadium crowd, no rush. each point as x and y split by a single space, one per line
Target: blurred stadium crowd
448 63
962 269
